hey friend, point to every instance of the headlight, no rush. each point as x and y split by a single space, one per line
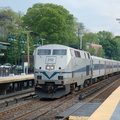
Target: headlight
50 67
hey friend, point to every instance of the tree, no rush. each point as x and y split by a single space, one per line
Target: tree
104 35
92 51
100 53
11 25
53 23
117 40
110 48
9 20
108 43
89 38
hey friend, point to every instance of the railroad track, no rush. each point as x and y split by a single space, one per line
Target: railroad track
37 112
10 95
37 109
17 98
11 112
48 107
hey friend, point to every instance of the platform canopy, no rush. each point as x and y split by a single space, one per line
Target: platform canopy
3 45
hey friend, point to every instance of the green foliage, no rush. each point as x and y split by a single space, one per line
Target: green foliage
100 53
117 40
104 35
110 47
10 20
11 24
109 44
89 38
91 51
54 21
54 24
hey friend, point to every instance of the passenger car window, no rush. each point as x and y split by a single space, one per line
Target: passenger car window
59 52
44 52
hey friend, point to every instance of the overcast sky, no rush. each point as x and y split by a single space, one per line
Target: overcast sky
96 15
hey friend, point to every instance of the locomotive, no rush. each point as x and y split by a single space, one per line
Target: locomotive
59 70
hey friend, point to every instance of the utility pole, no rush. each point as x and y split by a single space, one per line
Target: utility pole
42 40
80 37
28 58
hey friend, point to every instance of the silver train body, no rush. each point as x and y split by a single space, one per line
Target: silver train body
60 70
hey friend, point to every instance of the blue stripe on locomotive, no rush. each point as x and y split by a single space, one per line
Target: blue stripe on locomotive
76 71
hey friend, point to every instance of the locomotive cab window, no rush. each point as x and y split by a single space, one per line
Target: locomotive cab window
59 52
44 52
85 55
88 56
77 54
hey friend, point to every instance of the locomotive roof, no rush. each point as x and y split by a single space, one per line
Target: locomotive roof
52 45
95 57
58 46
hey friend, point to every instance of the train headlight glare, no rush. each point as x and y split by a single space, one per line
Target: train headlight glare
50 67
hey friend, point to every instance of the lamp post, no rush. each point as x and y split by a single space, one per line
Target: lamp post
37 43
23 41
12 39
80 37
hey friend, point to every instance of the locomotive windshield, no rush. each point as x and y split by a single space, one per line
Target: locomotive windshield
59 52
44 52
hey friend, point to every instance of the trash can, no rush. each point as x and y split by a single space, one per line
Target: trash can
7 71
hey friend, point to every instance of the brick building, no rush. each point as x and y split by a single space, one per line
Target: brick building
95 46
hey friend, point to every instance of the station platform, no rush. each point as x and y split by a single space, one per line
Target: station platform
16 78
108 110
16 84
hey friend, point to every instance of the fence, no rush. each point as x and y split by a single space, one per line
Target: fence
5 71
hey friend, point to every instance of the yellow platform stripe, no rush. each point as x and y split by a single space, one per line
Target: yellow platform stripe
78 118
16 78
105 111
